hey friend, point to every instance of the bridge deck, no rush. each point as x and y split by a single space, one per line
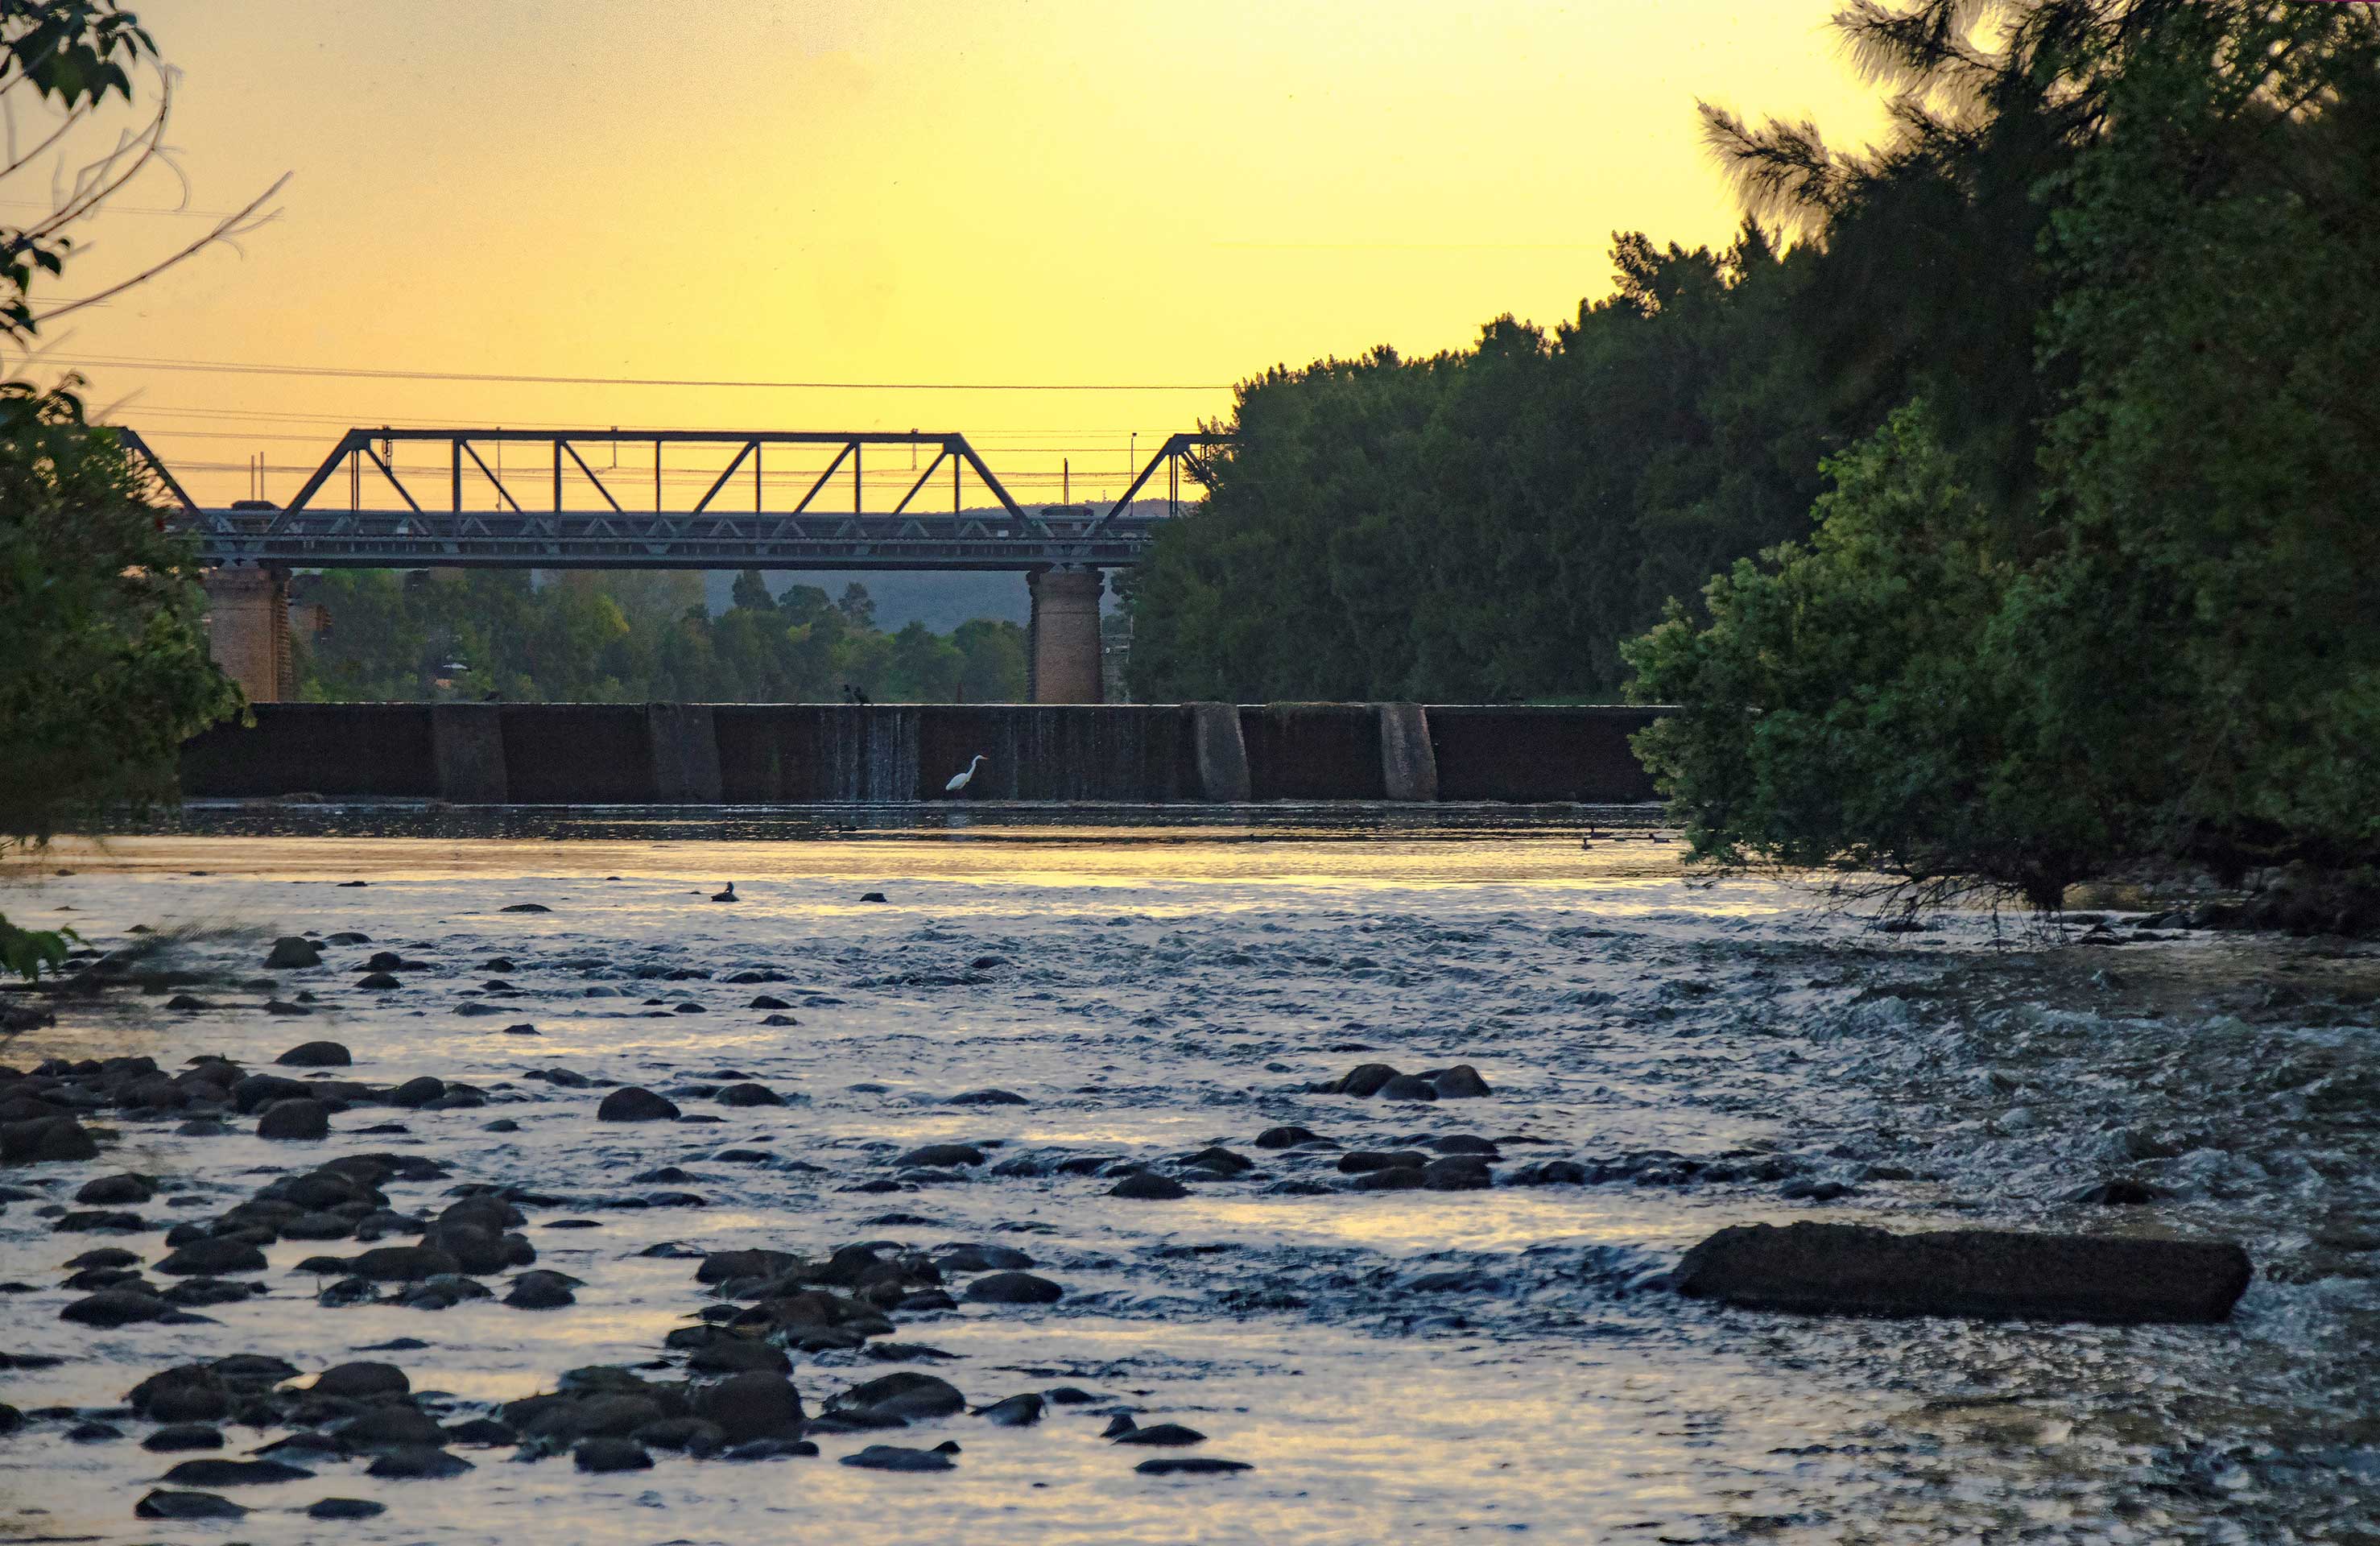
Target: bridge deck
610 539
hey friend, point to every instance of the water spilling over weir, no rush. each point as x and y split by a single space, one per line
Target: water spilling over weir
796 754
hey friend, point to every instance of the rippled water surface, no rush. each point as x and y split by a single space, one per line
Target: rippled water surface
1396 1366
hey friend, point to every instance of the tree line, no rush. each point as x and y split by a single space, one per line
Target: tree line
2032 451
632 636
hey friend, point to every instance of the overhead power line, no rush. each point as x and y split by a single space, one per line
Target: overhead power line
245 368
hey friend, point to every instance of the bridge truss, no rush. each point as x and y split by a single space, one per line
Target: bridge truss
588 522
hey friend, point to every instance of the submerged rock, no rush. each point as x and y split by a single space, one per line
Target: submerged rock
754 1405
111 1308
769 1449
363 1381
291 952
1146 1186
1018 1411
235 1473
893 1457
1014 1288
161 1503
973 1257
178 1436
540 1289
1854 1269
1190 1465
44 1139
1161 1433
601 1456
402 1264
940 1156
1367 1079
298 1119
903 1396
635 1104
418 1463
316 1055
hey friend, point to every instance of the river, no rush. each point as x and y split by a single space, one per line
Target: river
1396 1366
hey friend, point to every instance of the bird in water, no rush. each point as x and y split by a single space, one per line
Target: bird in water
962 780
727 896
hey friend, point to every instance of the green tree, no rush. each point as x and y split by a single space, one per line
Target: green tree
751 590
923 667
104 668
2163 639
1850 702
857 607
994 669
1493 523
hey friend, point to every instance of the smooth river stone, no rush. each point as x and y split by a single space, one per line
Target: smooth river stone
1852 1269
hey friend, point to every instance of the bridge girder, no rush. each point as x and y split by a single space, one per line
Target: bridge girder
306 535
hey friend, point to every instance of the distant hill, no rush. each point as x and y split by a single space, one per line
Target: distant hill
941 600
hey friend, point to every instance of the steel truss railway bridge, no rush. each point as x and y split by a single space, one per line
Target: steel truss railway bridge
561 511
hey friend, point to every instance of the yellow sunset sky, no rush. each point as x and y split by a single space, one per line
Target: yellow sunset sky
1031 191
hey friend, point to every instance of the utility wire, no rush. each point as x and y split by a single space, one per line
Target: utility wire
137 414
244 368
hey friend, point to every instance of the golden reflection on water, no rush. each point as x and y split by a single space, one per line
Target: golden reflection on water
1056 855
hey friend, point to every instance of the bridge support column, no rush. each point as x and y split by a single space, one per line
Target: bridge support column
1064 637
247 630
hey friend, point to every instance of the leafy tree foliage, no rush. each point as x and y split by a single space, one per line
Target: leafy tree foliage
2164 637
1493 523
603 636
104 668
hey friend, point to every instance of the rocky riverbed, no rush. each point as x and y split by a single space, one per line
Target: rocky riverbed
1138 1183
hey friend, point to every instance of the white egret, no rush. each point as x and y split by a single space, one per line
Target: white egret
960 782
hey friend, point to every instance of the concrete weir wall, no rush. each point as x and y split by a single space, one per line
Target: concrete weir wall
829 753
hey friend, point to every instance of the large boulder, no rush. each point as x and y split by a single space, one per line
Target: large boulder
1854 1269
